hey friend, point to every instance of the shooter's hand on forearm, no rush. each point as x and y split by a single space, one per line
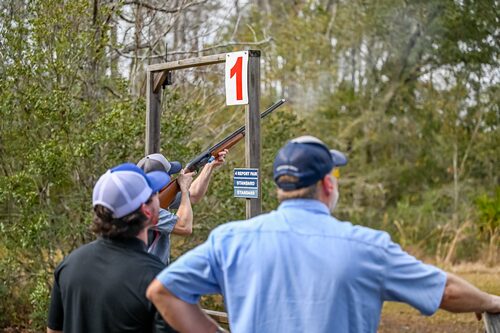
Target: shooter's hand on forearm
184 225
184 180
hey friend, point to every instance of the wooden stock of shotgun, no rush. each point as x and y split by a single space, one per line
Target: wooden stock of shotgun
168 193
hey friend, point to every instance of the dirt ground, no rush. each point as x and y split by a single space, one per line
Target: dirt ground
398 317
404 319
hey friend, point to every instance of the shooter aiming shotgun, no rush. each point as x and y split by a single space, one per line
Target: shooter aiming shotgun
168 193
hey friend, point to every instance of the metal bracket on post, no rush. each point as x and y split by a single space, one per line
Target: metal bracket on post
169 79
252 124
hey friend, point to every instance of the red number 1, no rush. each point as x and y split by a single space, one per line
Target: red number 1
238 69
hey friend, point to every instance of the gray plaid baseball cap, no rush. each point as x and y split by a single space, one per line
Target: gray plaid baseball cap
158 162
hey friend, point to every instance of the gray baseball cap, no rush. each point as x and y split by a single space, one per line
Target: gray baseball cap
158 162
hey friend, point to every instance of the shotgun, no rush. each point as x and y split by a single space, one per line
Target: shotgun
168 193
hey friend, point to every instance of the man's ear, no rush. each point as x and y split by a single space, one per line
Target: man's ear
327 184
146 211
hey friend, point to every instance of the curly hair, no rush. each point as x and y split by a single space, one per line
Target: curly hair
129 226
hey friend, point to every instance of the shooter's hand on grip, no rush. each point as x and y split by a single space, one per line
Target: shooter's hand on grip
220 159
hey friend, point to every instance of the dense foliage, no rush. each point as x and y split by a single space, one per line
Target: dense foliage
409 90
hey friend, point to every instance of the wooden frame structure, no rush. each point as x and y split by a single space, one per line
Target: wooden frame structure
157 75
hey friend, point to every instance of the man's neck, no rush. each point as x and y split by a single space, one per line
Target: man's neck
143 235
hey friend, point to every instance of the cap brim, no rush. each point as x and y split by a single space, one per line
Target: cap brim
158 180
175 167
339 159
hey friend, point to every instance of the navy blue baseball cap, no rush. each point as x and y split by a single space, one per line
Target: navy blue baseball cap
308 159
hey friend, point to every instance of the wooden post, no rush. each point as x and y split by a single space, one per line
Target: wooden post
153 115
252 124
491 322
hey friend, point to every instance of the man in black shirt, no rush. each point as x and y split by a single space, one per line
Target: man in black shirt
101 286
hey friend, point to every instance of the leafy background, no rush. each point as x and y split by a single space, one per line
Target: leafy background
409 90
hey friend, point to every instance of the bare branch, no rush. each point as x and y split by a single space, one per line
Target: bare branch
126 19
163 10
236 25
148 45
253 31
219 46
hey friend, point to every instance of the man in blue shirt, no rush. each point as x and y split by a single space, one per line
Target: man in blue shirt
298 269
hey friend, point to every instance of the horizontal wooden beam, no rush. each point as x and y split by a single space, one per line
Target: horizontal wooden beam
187 63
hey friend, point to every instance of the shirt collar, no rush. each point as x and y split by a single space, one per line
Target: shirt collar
130 243
305 204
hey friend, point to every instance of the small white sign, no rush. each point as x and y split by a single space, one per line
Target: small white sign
236 78
246 183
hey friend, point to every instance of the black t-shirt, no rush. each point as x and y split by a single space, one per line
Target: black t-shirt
101 287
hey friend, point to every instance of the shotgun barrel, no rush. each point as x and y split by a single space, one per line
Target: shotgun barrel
168 193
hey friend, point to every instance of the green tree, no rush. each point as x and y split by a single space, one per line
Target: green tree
489 222
64 120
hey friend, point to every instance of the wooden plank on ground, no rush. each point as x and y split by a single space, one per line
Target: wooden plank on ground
220 317
492 322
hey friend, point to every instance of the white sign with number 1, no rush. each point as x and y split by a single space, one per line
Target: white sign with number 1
236 78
